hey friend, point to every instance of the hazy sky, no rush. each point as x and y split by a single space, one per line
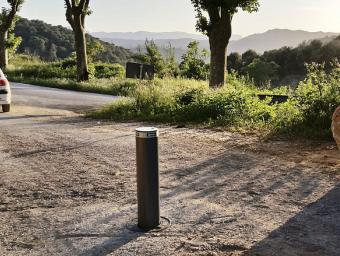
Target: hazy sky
178 15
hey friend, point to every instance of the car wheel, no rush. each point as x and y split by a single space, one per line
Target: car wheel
6 108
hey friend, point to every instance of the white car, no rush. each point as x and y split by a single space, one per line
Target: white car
5 93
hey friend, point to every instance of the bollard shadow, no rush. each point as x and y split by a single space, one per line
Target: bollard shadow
313 231
92 237
112 244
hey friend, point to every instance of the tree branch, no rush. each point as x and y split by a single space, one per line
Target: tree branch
69 13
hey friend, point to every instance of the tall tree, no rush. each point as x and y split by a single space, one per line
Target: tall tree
8 17
76 11
214 18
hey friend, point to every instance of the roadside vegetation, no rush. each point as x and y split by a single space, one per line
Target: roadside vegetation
235 106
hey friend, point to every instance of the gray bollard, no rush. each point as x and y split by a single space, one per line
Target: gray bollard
147 178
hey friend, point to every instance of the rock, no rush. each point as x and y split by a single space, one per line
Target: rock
336 126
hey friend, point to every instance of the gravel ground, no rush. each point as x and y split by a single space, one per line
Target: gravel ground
68 187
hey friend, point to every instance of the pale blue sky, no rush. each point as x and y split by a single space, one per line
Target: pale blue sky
178 15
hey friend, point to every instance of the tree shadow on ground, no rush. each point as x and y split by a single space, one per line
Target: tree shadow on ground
313 231
26 117
264 185
237 171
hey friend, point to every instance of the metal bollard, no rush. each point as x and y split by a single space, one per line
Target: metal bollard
147 178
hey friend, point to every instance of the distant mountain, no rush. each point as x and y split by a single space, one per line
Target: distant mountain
272 39
176 43
142 35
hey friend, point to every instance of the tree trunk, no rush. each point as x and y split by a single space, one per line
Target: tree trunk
80 45
3 51
217 62
219 36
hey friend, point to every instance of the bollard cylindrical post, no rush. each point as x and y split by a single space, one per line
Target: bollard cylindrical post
147 178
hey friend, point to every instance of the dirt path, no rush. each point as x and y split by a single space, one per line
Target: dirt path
67 187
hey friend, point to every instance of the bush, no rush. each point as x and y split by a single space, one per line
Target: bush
318 97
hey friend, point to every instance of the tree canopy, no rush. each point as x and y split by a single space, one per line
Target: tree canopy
218 10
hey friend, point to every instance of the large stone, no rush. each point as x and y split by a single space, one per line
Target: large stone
336 126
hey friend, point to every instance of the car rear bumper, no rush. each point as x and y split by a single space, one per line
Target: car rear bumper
5 97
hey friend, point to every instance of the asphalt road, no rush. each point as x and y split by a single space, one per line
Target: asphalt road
30 95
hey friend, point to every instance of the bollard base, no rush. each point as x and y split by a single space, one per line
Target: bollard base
165 223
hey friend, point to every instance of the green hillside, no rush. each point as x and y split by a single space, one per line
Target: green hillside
56 42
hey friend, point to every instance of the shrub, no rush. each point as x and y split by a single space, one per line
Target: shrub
104 70
318 97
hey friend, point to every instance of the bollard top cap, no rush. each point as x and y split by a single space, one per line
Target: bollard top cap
147 132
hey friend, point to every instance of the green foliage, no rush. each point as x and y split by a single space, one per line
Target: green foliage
104 70
93 49
13 42
248 57
52 43
318 97
171 65
193 64
234 62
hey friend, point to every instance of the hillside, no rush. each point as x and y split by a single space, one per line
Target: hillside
270 40
57 42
